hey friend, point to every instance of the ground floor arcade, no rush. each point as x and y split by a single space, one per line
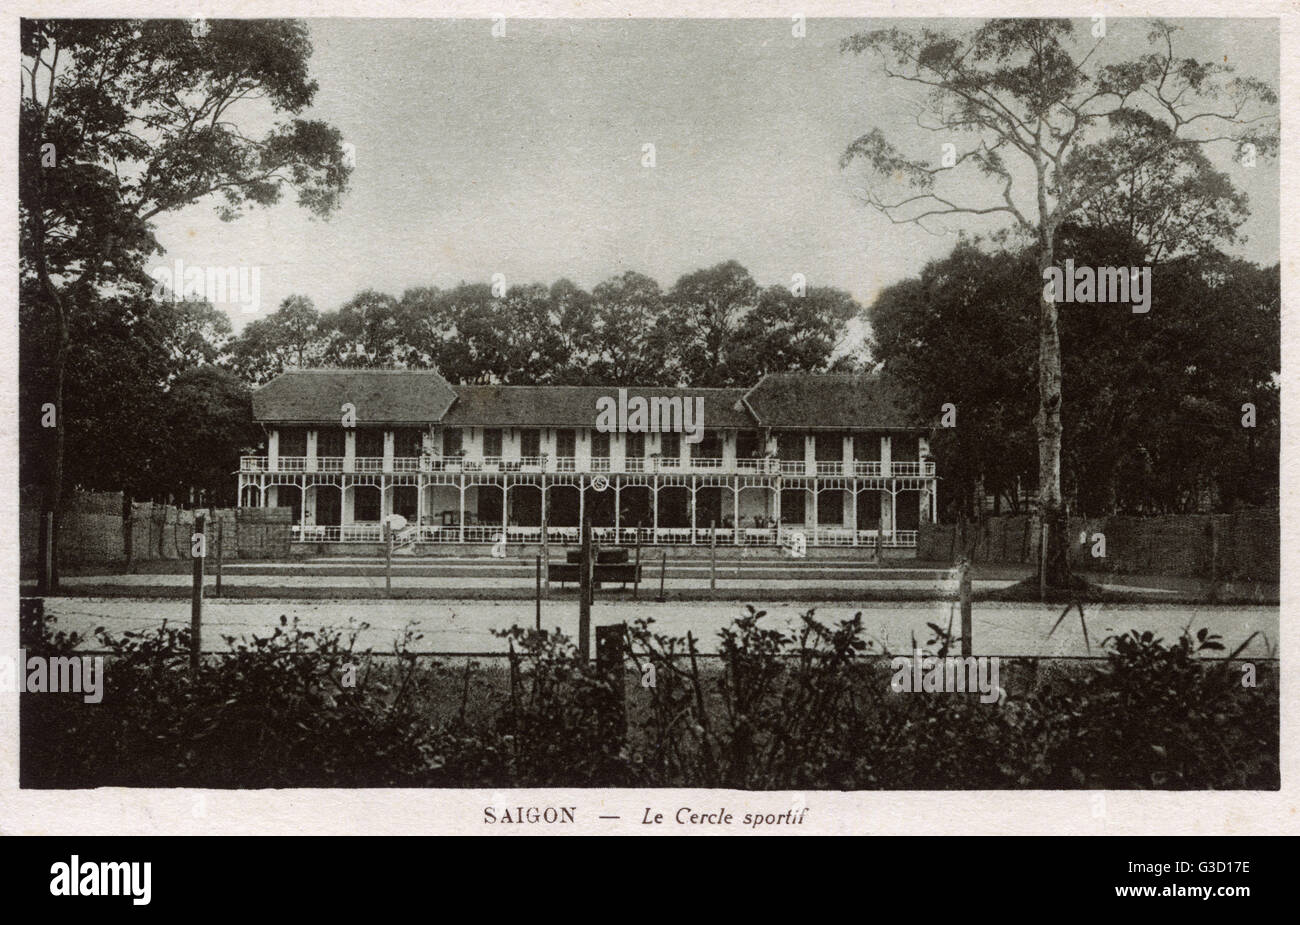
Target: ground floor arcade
651 508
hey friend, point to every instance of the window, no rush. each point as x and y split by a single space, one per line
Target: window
793 501
789 446
370 442
330 442
829 447
452 441
748 445
599 445
830 508
408 441
405 501
530 443
670 445
293 441
636 446
903 448
365 504
492 441
708 448
566 442
866 447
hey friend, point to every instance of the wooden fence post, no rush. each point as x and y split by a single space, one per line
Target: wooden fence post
388 559
198 548
220 554
713 555
538 593
585 570
964 592
47 553
636 581
612 720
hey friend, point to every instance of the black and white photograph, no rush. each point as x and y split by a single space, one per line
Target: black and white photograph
792 407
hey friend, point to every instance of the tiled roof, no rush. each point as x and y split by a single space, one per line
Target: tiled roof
803 401
315 396
575 405
828 401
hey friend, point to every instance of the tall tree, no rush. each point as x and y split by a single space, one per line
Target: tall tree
788 331
1017 100
125 120
289 336
632 345
364 332
210 424
706 307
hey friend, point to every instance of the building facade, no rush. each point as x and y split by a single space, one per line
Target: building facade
816 459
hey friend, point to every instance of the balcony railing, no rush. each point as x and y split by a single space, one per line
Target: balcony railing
628 536
536 464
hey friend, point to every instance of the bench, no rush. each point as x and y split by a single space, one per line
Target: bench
621 572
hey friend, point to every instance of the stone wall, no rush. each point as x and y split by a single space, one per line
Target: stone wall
94 532
1242 546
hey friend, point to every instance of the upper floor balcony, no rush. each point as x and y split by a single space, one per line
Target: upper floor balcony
596 464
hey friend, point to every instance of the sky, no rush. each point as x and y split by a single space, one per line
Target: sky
522 154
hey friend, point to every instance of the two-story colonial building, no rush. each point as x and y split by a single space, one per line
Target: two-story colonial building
829 456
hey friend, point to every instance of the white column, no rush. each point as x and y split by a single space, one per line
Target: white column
350 450
735 504
388 450
582 451
885 455
311 451
273 450
617 455
853 514
809 454
462 508
693 490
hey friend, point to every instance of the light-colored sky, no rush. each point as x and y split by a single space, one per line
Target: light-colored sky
522 155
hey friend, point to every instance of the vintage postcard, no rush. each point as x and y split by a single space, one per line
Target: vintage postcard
637 420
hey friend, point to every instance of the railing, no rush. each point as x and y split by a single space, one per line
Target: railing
536 464
626 536
912 468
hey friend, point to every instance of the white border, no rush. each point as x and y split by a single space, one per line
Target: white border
336 812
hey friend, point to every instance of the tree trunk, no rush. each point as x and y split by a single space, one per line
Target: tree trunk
1051 506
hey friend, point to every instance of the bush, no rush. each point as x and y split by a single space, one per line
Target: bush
773 709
